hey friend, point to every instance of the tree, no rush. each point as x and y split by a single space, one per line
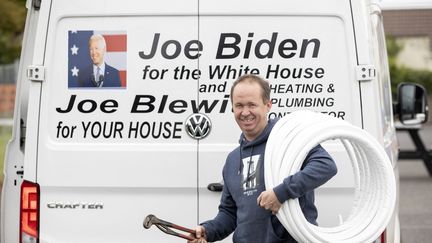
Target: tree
12 20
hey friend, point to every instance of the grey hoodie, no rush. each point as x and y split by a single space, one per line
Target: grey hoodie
243 176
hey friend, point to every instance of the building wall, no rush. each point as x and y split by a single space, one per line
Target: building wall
412 28
7 99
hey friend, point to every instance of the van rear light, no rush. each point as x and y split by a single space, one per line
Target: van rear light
29 212
383 237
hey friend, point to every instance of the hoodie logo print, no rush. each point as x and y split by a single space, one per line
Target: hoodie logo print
250 164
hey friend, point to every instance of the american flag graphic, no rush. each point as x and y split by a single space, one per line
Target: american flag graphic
79 57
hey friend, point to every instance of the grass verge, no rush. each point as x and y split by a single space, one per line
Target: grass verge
5 134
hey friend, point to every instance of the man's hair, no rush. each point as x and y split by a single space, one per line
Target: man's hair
251 78
99 38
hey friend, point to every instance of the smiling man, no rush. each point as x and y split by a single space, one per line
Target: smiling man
247 208
251 103
99 74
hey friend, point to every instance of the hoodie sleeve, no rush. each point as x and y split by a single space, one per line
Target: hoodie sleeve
316 170
225 221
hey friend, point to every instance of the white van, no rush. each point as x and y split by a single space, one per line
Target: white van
88 164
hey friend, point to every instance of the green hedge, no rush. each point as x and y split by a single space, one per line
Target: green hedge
5 134
403 74
400 74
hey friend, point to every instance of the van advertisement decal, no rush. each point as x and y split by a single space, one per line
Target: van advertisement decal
97 59
172 74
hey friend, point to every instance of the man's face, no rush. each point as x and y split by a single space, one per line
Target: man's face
250 111
97 52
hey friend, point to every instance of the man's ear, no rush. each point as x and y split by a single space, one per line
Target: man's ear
269 105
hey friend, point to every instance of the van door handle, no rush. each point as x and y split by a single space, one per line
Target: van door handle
215 187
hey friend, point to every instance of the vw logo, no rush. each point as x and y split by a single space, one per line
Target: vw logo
198 126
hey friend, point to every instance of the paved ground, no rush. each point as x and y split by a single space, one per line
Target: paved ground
415 209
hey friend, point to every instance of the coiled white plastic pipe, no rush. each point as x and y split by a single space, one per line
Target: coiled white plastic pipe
375 188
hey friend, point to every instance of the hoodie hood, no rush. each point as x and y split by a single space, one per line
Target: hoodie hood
262 138
246 145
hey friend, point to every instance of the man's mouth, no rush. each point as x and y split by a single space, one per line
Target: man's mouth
247 119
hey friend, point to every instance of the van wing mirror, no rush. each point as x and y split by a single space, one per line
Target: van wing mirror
412 106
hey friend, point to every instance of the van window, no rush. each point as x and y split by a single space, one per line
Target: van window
383 75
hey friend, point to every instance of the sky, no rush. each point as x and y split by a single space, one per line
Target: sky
405 4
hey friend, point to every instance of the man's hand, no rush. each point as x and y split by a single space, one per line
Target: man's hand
199 235
268 200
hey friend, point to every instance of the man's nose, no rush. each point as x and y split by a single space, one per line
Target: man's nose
245 111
